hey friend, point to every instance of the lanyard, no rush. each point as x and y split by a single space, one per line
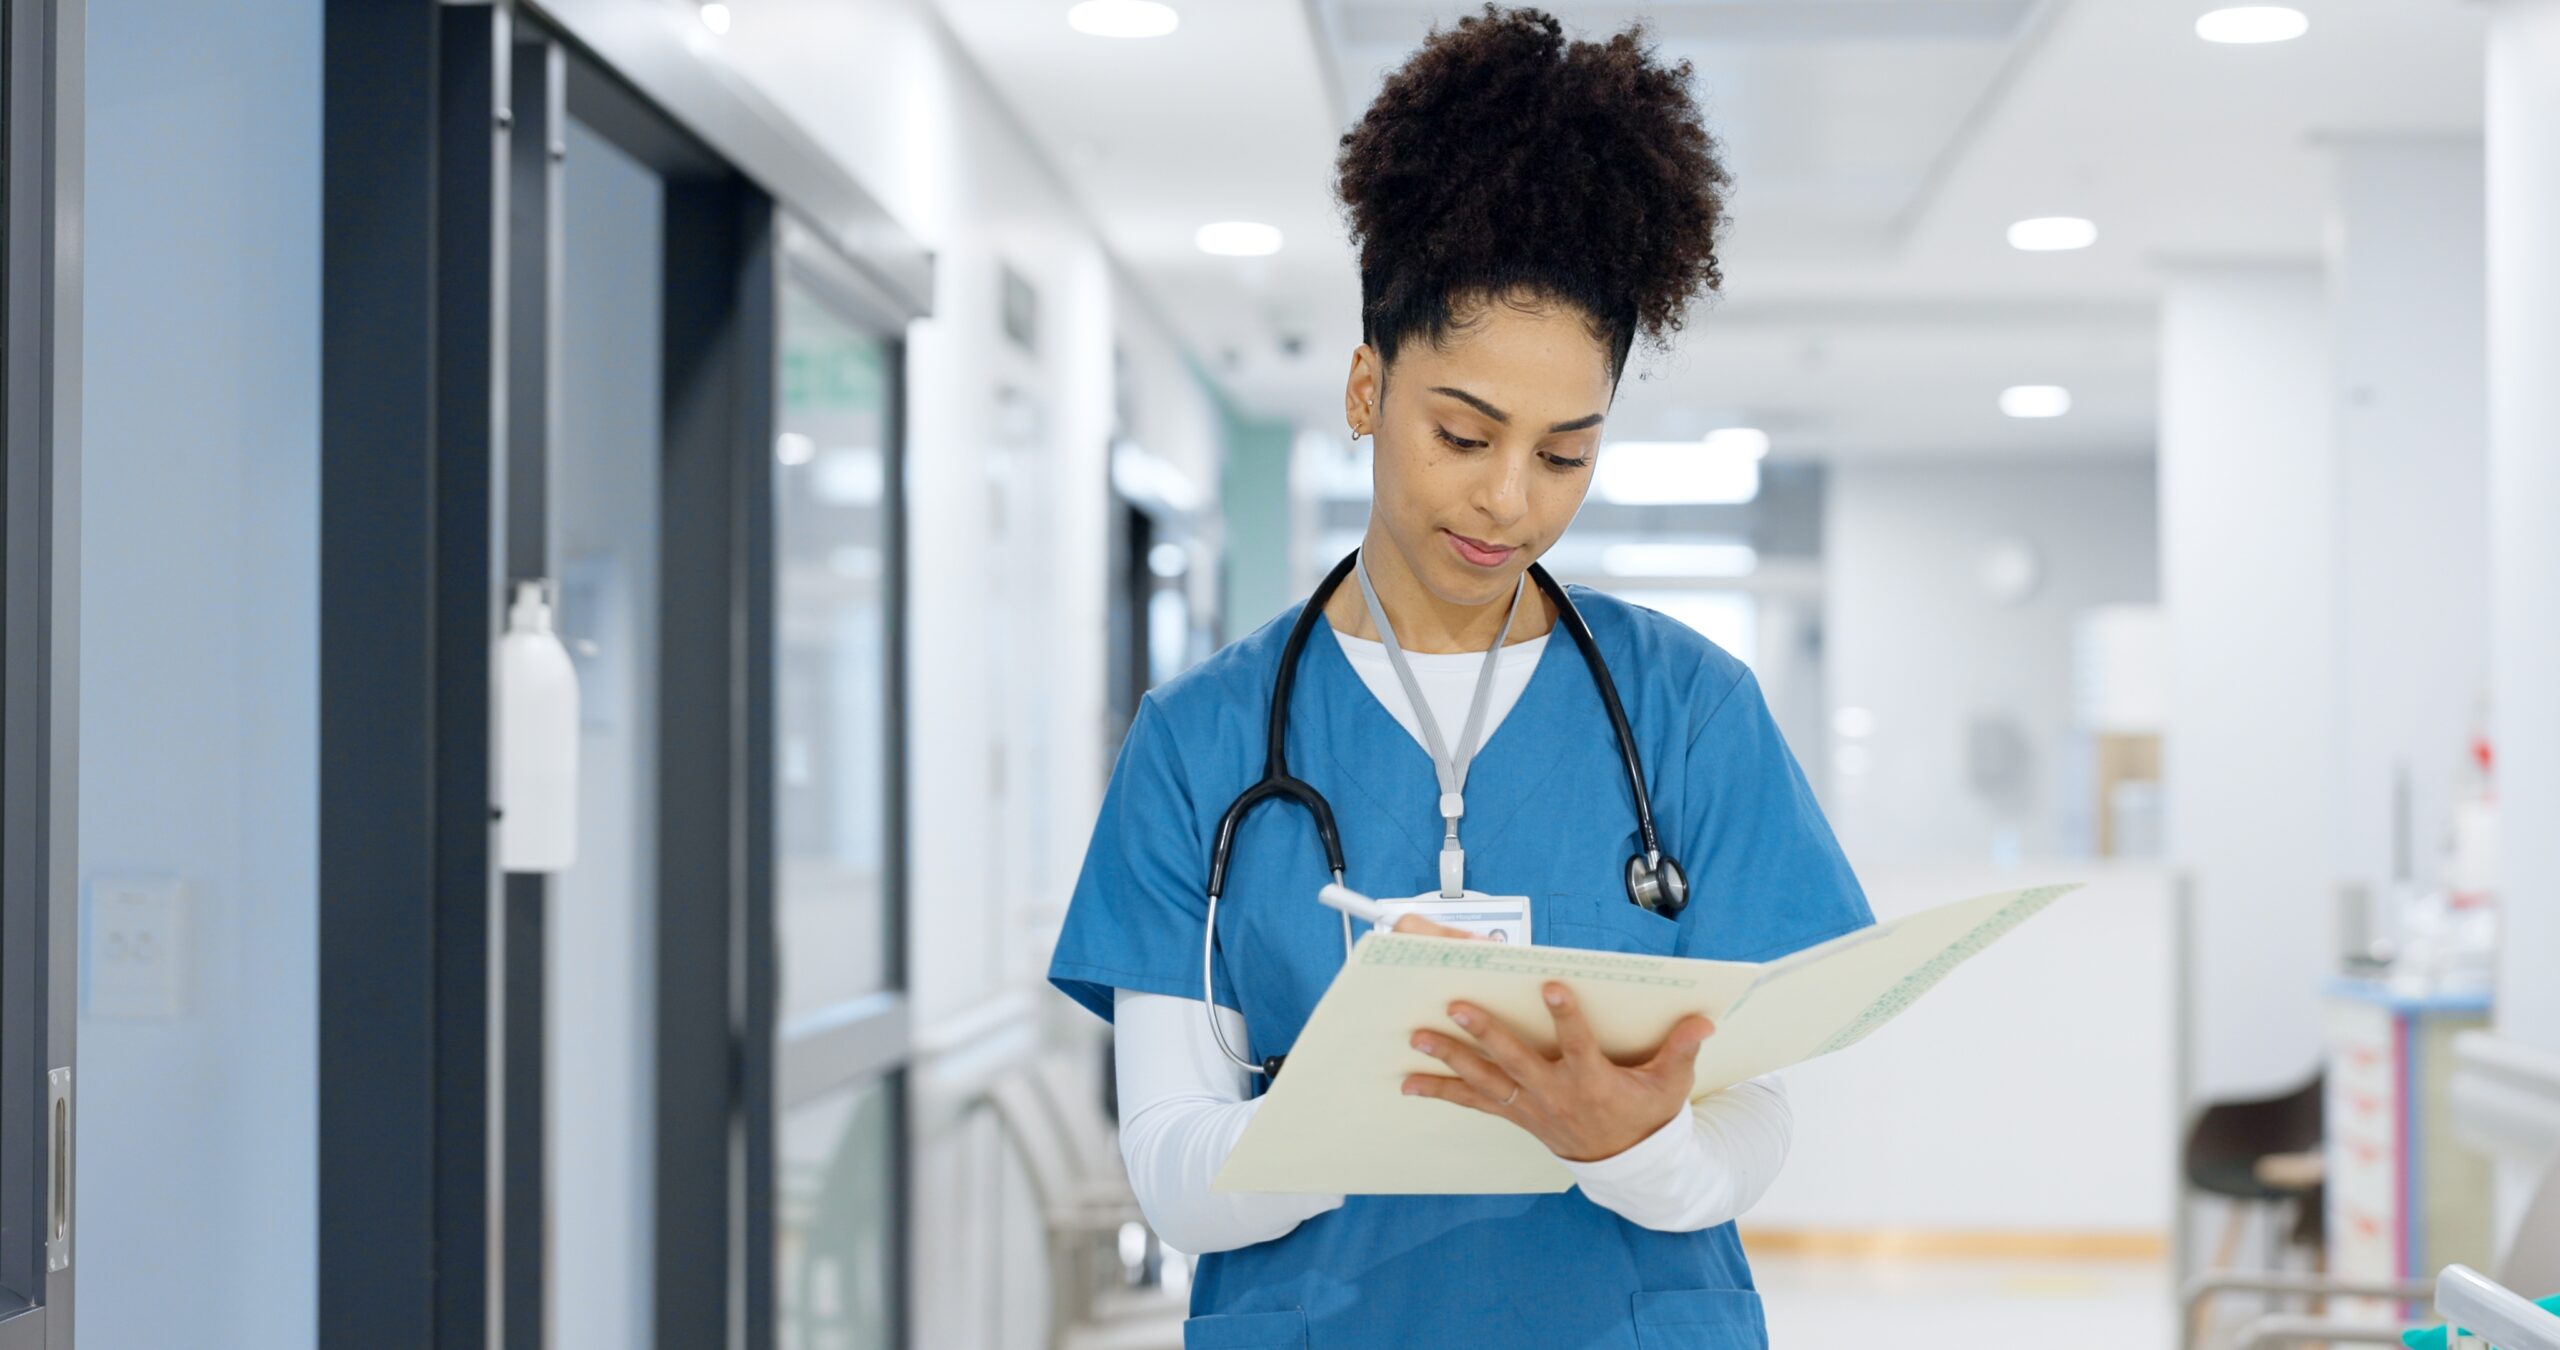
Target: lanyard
1452 768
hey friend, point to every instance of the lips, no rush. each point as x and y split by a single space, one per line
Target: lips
1477 552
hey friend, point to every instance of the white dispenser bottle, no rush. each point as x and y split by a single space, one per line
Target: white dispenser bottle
537 740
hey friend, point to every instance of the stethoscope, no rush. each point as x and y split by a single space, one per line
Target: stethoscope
1654 879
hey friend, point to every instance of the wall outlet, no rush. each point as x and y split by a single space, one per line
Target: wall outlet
136 951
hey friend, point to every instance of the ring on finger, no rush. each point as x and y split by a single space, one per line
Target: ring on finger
1515 1096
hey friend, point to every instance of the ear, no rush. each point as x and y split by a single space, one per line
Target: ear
1361 390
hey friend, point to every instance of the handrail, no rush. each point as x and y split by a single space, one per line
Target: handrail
2281 1283
2493 1313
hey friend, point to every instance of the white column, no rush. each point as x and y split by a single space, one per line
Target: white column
2408 337
2247 568
2506 1088
2523 156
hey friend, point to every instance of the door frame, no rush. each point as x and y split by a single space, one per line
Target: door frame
40 639
430 1002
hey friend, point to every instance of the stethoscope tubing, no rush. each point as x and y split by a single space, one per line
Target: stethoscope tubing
1278 783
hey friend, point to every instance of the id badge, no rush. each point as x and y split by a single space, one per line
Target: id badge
1501 918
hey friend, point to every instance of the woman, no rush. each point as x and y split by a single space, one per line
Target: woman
1524 207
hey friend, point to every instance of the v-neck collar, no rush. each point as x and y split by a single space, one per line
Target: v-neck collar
1498 782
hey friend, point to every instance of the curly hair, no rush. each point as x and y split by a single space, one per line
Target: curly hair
1501 160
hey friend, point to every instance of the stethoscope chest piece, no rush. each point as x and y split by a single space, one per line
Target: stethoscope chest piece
1658 885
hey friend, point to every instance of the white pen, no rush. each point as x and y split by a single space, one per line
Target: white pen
1353 903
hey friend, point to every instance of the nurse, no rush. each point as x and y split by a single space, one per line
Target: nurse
1525 208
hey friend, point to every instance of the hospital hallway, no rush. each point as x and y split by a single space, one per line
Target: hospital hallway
630 628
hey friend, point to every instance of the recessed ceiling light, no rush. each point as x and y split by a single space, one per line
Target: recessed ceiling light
715 17
2052 234
2035 400
1238 239
2252 23
1677 473
1123 18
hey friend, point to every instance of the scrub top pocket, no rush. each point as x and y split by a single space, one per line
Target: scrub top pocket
1699 1319
1611 924
1246 1331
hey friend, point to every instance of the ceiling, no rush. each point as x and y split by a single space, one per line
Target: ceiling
1879 149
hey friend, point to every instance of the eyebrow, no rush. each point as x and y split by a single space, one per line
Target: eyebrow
1577 424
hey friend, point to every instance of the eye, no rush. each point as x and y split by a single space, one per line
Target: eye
1564 465
1457 442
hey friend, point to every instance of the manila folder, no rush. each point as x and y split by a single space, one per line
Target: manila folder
1336 1121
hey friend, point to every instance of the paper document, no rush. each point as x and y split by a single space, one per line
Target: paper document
1336 1121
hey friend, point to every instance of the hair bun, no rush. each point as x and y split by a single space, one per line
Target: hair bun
1503 157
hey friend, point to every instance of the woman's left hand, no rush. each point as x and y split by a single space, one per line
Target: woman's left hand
1578 1102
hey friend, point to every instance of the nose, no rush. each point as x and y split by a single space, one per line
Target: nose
1504 497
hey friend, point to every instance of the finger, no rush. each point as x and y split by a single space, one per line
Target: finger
1458 1091
1573 1034
1518 1059
1479 1072
1677 1057
1415 923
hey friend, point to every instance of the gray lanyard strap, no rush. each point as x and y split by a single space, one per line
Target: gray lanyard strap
1452 768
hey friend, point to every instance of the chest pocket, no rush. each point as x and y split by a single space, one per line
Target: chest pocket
1610 924
1699 1319
1246 1331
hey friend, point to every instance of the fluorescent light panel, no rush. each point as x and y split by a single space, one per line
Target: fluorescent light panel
849 475
2253 23
1679 560
1123 18
2052 234
2035 400
1238 239
1682 473
1749 442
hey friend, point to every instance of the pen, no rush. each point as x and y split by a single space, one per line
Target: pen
1353 903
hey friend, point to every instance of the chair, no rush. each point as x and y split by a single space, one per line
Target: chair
2531 1265
1084 1201
2259 1153
1092 1146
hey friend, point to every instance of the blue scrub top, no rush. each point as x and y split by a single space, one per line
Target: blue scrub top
1549 815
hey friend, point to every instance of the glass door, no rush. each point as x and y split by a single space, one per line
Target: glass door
604 535
841 1035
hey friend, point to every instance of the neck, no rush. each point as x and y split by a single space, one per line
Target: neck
1424 622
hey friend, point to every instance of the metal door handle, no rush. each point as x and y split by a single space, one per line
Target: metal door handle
57 1129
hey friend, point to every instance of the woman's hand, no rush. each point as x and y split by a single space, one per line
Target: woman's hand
1579 1103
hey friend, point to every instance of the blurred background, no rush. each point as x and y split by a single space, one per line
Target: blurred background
2123 450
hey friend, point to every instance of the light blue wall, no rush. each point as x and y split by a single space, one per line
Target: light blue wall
198 658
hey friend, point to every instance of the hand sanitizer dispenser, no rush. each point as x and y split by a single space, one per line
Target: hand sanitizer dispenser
537 740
